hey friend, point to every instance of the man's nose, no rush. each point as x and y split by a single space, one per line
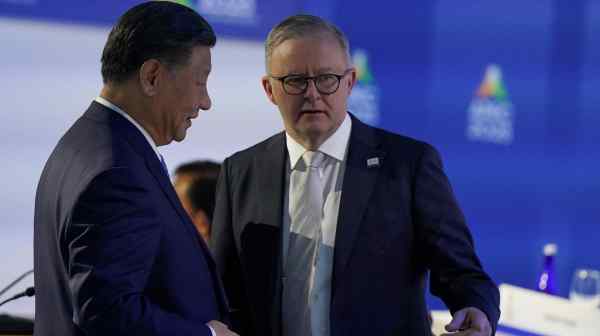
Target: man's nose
205 102
311 90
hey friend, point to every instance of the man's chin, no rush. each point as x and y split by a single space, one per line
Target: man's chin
179 137
314 122
315 131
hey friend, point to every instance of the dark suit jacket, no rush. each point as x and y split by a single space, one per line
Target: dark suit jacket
115 253
396 222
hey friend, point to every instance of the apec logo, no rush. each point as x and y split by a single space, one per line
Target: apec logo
364 99
238 11
228 11
491 114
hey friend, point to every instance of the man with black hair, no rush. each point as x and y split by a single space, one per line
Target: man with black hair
114 251
195 183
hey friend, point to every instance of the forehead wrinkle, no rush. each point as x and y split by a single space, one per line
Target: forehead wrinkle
299 60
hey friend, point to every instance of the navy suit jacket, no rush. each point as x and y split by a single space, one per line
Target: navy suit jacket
398 221
115 253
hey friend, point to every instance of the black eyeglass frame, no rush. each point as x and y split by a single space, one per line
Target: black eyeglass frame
282 79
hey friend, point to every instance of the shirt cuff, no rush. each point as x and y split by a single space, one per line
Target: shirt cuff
212 331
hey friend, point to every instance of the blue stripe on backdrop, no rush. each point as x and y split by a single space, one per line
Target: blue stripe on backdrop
68 11
246 19
586 163
560 186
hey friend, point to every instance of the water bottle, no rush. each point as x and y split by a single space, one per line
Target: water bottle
547 281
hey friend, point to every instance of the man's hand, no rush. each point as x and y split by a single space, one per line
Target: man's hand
469 321
221 329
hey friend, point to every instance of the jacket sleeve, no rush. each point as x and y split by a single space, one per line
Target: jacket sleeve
226 254
112 242
457 276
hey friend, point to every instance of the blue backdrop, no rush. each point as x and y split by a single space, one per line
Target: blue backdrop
507 91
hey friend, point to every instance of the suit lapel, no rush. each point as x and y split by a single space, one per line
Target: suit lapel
134 137
359 180
264 249
163 180
270 165
155 167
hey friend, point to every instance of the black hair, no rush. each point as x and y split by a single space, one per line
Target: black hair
199 168
201 191
161 30
202 195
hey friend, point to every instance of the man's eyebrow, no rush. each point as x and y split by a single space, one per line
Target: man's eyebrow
326 69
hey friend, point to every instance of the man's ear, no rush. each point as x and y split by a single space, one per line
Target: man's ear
351 81
149 74
268 87
201 223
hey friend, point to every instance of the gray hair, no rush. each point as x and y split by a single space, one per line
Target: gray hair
299 26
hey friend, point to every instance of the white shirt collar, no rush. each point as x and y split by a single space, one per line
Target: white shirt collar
335 146
146 135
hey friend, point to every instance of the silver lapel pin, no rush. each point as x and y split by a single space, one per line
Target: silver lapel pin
373 162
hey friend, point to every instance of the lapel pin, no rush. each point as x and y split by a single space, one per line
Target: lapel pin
373 162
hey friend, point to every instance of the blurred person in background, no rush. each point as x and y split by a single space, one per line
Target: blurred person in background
332 227
113 249
195 183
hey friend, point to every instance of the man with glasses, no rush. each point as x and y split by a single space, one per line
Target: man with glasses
332 226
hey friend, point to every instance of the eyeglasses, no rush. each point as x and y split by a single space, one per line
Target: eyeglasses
326 84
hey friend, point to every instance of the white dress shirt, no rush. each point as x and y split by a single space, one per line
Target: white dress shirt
335 149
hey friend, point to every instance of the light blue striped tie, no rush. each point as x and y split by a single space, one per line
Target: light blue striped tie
300 309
